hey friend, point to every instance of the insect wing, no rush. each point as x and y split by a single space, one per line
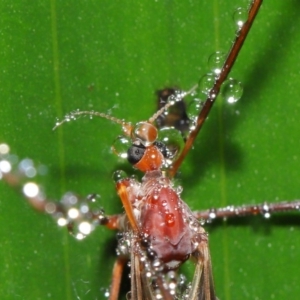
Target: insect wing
137 290
206 286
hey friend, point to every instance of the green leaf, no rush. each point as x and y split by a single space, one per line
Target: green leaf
111 56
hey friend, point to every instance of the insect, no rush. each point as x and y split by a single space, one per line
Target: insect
233 268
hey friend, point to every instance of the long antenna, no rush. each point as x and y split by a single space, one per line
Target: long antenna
215 90
126 126
179 95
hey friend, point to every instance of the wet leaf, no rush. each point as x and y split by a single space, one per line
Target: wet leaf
111 57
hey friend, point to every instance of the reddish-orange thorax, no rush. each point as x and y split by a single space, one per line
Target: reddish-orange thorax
163 219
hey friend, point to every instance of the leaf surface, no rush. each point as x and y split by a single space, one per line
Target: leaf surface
112 57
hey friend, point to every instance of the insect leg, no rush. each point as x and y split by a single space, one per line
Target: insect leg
71 211
116 278
265 209
124 195
213 93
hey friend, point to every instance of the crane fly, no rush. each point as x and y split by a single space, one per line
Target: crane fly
138 243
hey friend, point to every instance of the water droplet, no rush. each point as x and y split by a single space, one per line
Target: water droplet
266 211
145 132
240 16
50 208
69 199
194 225
173 141
5 166
4 149
157 265
123 247
85 228
120 146
158 295
105 293
232 90
179 189
119 175
206 83
79 236
182 287
212 214
91 115
73 213
77 214
170 219
62 222
177 96
26 166
84 209
193 110
216 61
31 189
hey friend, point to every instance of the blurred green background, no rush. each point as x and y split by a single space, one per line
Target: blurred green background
111 56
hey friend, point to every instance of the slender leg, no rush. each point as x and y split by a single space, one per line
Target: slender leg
265 209
116 278
213 93
71 211
124 195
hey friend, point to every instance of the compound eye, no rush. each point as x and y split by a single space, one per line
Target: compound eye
135 153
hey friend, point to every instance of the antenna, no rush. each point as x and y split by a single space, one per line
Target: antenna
126 126
179 95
